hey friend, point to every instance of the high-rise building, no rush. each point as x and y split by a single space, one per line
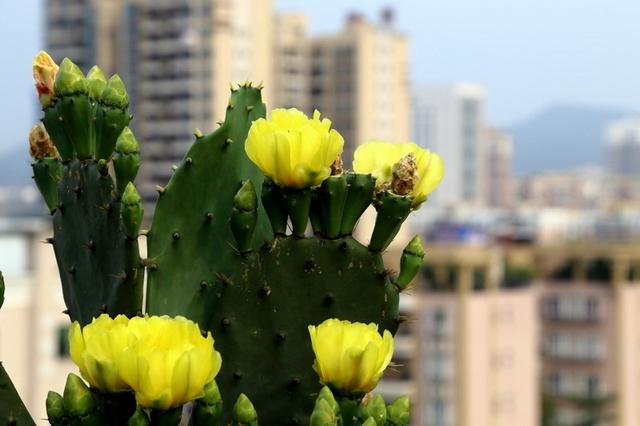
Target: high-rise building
623 147
291 62
499 174
33 329
450 120
359 78
87 31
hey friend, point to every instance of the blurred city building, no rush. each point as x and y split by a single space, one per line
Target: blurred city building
178 58
33 329
622 139
499 174
450 119
359 79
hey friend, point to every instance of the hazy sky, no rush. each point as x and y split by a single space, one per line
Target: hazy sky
528 53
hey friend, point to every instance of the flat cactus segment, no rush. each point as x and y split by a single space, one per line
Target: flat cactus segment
262 312
190 251
99 267
12 409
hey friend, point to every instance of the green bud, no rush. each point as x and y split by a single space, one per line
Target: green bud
243 410
55 407
96 82
211 393
127 143
398 411
410 262
326 395
375 409
323 415
69 79
369 422
139 418
132 211
115 94
77 397
246 198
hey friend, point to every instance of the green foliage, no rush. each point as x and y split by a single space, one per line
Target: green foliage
12 409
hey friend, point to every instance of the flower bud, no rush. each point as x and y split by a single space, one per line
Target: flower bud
77 397
69 79
246 198
40 144
139 418
96 82
115 93
55 407
44 73
410 262
132 211
243 411
398 411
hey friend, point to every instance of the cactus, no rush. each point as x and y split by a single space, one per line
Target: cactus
219 254
96 251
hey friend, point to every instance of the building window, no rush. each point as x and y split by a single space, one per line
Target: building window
63 341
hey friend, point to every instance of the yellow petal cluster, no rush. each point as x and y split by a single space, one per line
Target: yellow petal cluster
350 357
378 158
292 149
166 361
44 73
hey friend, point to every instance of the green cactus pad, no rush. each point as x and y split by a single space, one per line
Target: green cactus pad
12 409
100 268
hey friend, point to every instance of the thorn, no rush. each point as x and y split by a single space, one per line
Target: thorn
144 232
260 85
175 236
48 240
343 246
309 265
222 278
71 269
76 190
295 382
329 299
281 337
188 161
208 216
228 141
66 312
226 323
91 245
174 168
160 189
265 291
237 375
198 133
203 284
231 87
203 333
103 309
249 108
219 123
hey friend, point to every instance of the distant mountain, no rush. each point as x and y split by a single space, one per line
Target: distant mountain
561 137
14 167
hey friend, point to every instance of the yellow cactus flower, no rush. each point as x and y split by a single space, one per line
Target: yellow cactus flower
95 349
169 363
44 73
379 158
292 149
350 357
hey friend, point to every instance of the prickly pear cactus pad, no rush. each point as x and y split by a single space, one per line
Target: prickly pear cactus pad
96 249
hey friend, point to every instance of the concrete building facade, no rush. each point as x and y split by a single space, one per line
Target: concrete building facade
499 188
622 139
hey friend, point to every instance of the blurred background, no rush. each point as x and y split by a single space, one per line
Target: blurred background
527 310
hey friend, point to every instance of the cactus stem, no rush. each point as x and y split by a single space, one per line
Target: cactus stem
198 133
160 189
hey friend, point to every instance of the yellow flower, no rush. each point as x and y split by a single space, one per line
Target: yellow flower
378 159
44 73
96 348
169 363
350 357
166 361
292 149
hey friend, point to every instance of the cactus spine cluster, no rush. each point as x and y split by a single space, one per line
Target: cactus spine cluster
218 253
